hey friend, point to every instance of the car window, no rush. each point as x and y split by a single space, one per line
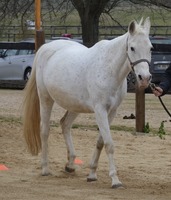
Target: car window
25 52
11 52
2 52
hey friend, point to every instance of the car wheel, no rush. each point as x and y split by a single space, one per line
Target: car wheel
27 74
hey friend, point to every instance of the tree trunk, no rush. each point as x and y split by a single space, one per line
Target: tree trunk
90 30
89 12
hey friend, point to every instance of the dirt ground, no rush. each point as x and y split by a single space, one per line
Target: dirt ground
143 160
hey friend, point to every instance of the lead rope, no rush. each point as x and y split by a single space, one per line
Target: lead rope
153 87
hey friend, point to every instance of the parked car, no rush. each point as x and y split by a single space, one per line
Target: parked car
161 57
16 61
79 40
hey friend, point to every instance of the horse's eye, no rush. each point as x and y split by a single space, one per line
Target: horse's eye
132 49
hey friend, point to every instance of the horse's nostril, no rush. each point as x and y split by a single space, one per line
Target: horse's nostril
140 77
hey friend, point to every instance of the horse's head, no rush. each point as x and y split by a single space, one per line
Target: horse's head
139 51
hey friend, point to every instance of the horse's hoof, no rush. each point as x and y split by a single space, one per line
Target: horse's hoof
69 170
91 179
46 174
119 185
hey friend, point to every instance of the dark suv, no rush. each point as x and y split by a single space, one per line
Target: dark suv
161 57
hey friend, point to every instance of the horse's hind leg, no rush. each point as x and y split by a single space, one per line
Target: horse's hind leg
45 113
66 124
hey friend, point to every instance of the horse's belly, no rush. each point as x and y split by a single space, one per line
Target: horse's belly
75 107
78 108
74 103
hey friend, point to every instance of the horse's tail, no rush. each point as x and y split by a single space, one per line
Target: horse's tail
31 114
31 104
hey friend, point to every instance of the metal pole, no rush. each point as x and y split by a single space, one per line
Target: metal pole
39 35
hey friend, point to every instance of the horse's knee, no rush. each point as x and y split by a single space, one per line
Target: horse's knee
100 144
109 147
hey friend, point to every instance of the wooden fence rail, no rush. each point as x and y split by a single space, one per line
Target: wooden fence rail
16 33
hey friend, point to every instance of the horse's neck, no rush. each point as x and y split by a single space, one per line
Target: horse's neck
119 64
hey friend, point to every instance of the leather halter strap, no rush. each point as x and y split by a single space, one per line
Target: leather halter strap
137 61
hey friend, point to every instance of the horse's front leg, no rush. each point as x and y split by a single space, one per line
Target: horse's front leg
66 123
104 126
94 162
99 146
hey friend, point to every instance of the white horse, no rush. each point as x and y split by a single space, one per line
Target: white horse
84 80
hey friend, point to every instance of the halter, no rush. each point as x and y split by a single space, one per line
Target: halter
136 62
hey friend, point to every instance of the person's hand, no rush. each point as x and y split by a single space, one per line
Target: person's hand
157 91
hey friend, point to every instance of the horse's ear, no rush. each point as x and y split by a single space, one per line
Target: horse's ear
147 25
132 27
141 21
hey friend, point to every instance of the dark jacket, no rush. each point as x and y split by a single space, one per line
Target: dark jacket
165 84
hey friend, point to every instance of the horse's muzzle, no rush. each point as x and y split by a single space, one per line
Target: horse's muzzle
143 81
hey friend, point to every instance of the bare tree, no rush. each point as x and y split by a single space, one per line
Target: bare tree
13 10
89 11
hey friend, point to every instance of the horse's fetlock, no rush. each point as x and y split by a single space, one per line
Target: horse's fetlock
93 166
112 173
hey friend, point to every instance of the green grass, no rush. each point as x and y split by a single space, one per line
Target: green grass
11 119
153 131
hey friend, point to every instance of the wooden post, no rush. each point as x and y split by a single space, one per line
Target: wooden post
39 35
40 39
140 109
38 14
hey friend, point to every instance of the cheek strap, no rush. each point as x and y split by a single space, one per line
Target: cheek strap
137 62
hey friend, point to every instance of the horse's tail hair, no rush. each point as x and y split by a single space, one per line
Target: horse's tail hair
31 114
31 104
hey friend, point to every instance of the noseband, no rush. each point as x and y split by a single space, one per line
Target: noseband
136 62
